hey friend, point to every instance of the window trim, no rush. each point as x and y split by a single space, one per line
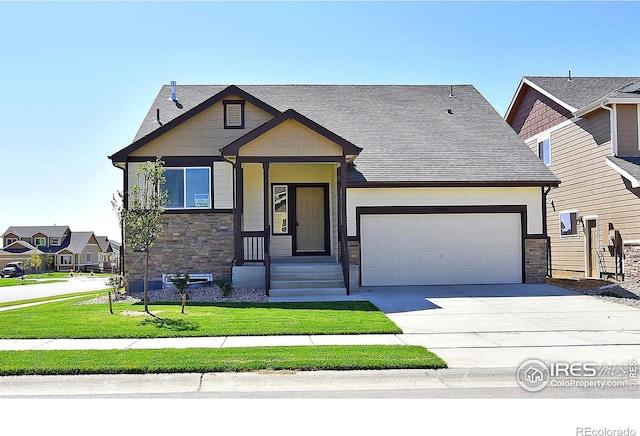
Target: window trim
184 187
40 238
66 256
540 141
564 212
273 209
10 241
55 241
226 105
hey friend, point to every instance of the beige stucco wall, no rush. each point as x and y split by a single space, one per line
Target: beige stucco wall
204 134
530 197
291 139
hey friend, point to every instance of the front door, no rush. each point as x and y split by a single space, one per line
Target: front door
310 233
591 230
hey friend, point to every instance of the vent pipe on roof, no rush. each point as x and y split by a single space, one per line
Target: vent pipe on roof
569 75
450 90
173 90
158 117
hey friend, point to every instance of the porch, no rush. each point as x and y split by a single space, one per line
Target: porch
292 220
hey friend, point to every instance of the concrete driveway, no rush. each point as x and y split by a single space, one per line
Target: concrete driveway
488 326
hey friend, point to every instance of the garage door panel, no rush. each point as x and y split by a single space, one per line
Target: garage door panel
419 249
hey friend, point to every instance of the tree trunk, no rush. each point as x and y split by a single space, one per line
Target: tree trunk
146 280
184 302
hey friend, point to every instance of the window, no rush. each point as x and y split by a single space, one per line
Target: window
39 242
568 223
65 259
88 257
280 209
10 241
188 188
544 151
54 241
233 114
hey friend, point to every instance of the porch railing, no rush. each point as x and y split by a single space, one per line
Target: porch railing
253 244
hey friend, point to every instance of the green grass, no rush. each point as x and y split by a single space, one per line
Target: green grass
27 281
66 320
217 360
75 295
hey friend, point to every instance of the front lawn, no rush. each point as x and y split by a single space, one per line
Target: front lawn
27 281
218 360
65 319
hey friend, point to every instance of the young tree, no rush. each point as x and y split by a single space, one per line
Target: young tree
180 281
141 215
35 261
49 260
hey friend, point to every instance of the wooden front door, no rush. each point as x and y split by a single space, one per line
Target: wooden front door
310 220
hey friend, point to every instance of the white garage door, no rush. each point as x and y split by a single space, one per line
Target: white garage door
436 249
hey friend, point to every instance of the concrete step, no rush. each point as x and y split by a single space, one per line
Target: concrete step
307 292
282 277
316 283
310 268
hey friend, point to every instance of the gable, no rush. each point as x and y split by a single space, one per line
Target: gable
534 112
204 133
291 138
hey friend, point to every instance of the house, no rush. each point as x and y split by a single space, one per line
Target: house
585 129
319 188
109 254
67 250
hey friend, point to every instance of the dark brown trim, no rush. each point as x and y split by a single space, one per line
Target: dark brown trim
225 103
229 91
239 209
454 184
180 161
401 210
289 159
233 149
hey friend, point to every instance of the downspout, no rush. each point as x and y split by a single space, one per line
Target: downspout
613 130
545 192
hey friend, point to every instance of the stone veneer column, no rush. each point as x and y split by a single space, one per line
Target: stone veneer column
535 260
191 243
632 261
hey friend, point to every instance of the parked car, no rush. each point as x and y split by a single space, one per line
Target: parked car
13 269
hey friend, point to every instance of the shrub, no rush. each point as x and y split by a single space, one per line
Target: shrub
225 285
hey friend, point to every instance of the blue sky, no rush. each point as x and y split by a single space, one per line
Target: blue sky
78 77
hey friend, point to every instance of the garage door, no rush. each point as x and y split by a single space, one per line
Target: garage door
436 249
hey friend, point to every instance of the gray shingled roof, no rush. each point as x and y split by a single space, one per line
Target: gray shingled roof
28 231
78 242
405 131
582 91
631 165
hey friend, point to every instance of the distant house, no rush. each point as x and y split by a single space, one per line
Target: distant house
586 130
68 251
311 189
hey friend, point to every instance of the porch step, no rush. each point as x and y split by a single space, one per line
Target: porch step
306 277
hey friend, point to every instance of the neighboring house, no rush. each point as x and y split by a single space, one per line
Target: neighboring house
586 130
109 254
388 185
70 251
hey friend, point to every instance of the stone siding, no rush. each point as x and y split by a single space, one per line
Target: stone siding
535 260
354 252
191 243
632 262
